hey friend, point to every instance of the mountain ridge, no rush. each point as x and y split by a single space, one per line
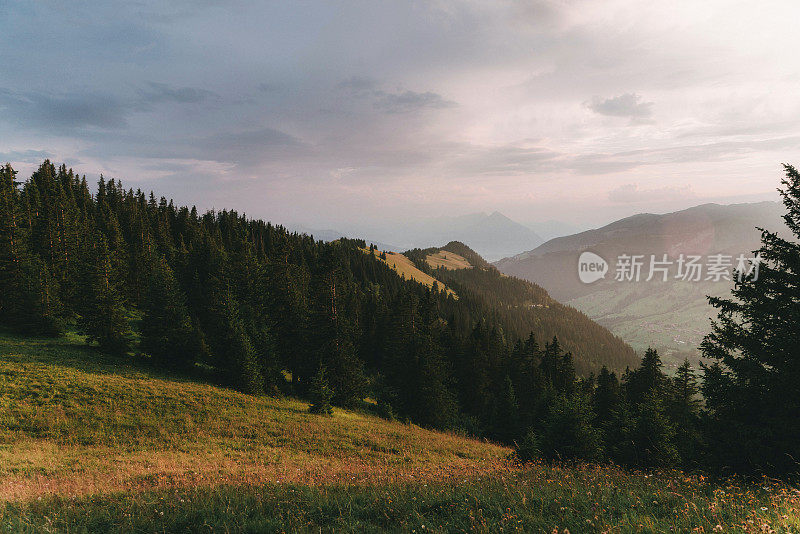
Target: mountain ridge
492 235
521 306
672 316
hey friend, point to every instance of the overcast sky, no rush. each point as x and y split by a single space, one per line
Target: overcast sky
353 115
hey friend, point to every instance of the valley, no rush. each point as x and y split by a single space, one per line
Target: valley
671 316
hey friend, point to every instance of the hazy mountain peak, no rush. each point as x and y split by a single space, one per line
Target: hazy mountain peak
649 314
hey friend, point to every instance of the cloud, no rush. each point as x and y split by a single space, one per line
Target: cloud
161 92
359 84
406 97
631 193
511 159
393 102
64 111
626 105
247 148
409 102
24 156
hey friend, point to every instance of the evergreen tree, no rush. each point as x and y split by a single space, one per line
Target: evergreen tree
648 380
103 316
333 328
753 393
29 299
506 421
321 394
606 397
653 434
166 329
568 432
684 410
231 347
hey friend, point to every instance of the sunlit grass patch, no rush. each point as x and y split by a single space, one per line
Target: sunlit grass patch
74 422
99 444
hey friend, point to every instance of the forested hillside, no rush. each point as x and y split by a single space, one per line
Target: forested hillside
255 303
523 307
254 307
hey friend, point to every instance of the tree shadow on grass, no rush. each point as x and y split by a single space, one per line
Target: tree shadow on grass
72 351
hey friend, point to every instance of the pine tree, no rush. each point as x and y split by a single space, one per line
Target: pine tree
426 397
333 328
568 432
753 393
166 329
29 295
321 394
103 316
11 279
684 410
233 350
606 397
653 435
506 420
648 380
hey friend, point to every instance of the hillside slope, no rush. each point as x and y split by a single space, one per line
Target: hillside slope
90 443
76 422
405 268
522 307
672 316
252 303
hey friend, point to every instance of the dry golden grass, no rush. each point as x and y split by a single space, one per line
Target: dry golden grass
73 426
448 260
94 444
406 268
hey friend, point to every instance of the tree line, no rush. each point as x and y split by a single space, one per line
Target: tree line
268 311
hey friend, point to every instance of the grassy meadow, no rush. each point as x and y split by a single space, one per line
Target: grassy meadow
447 259
90 443
406 268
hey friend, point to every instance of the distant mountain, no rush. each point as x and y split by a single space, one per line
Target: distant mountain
492 236
671 315
551 229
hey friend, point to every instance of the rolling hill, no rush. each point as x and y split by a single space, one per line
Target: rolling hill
447 260
672 316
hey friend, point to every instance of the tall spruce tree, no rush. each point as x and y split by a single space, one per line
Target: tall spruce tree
321 394
753 389
167 331
103 315
334 329
684 410
648 380
606 397
233 350
11 275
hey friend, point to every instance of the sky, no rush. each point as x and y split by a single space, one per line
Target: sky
361 115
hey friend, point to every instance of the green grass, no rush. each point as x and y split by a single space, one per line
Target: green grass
537 499
90 443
